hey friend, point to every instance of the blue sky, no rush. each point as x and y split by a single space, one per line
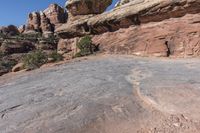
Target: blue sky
16 11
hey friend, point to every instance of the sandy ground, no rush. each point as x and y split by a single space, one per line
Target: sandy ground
104 94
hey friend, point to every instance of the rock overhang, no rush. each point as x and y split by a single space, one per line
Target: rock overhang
134 13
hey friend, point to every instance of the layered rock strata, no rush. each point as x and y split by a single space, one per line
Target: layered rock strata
157 28
133 13
179 37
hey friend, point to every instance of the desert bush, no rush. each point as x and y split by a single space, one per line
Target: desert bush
1 54
86 47
55 56
35 60
7 64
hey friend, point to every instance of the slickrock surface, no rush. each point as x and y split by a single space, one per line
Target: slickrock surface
103 94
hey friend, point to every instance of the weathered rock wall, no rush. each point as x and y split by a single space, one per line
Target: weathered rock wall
173 37
143 27
46 21
129 14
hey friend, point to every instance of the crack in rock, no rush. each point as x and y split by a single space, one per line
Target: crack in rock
3 113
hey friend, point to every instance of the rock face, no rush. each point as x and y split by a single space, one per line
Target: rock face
10 30
67 46
56 15
33 22
46 21
46 46
46 26
174 25
85 7
130 14
13 46
174 37
122 2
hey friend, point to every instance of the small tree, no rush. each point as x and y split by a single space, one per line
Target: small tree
55 57
86 47
35 60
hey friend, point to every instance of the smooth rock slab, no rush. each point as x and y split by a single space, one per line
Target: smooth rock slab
109 94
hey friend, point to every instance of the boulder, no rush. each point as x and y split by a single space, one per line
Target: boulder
67 46
85 7
18 67
13 46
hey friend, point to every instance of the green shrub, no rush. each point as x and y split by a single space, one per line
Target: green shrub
56 57
35 60
86 47
1 54
7 64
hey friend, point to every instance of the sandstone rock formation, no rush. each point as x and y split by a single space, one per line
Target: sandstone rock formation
10 30
46 46
21 28
85 7
33 22
174 24
67 46
56 15
46 26
131 14
14 46
122 2
37 34
46 21
175 37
